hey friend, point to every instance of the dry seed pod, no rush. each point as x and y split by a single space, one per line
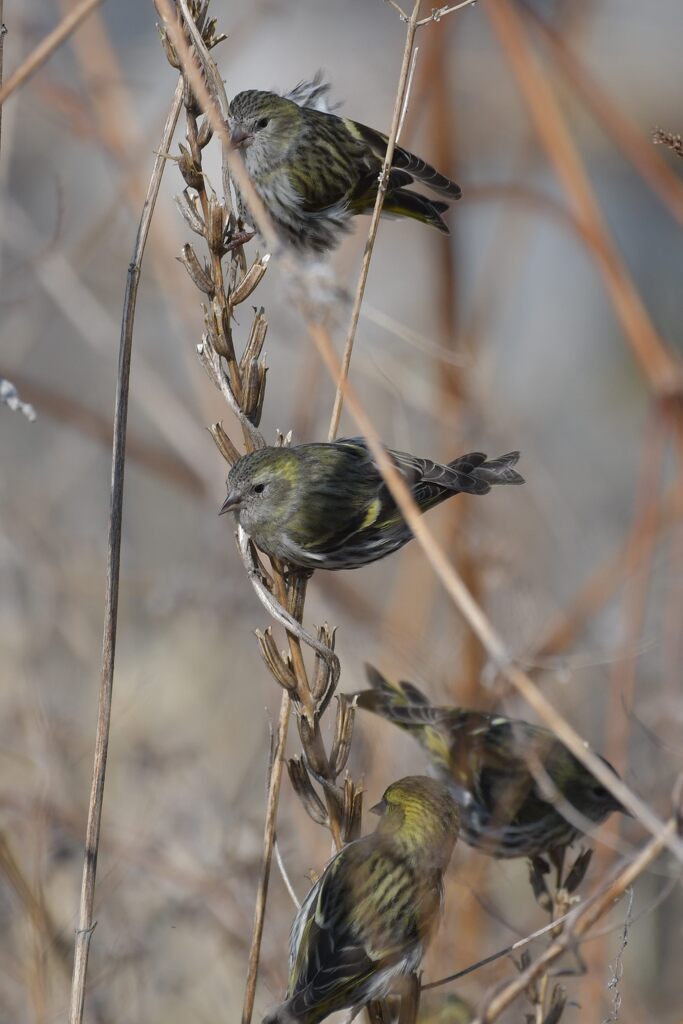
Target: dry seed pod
215 225
352 810
278 666
250 281
169 49
186 204
257 336
343 732
224 444
197 272
303 787
205 133
190 171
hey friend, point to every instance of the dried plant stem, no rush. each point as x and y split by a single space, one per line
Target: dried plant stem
45 49
519 944
660 368
85 917
475 615
578 922
399 105
623 131
268 840
195 73
600 586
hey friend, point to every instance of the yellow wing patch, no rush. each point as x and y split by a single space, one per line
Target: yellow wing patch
371 514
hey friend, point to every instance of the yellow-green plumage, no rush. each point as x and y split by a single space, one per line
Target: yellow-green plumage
370 915
326 506
491 765
315 170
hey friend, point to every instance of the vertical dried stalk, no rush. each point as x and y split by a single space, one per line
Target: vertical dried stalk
48 46
399 104
268 841
660 368
92 837
475 615
578 923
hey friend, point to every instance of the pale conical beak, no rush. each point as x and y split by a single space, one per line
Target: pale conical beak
239 137
233 501
379 808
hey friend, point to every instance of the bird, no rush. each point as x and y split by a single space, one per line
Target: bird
369 917
492 766
326 506
314 170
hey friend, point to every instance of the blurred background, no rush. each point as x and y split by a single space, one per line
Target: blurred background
502 336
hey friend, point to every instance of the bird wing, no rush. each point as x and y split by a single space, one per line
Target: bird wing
345 935
404 160
429 483
341 491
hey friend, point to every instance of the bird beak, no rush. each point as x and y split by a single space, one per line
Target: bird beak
239 137
379 808
233 501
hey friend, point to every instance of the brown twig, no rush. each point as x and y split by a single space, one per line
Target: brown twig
268 841
401 96
578 922
85 916
475 616
660 368
652 168
45 49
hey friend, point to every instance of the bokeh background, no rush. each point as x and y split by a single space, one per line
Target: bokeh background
502 336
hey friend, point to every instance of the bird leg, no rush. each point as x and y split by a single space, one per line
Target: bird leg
410 999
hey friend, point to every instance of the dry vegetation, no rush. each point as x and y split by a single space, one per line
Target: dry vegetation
547 321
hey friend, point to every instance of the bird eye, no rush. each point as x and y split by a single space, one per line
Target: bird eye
262 122
259 488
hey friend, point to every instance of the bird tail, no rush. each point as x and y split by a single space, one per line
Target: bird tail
401 703
408 708
403 203
425 173
489 473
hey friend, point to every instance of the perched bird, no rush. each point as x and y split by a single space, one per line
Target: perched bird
370 915
326 506
315 170
493 767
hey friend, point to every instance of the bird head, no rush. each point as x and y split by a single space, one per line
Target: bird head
263 125
262 489
591 797
420 813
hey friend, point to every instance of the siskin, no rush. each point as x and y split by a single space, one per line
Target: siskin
488 762
368 918
315 170
326 506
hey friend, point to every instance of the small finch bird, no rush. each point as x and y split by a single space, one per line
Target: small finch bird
491 766
368 918
315 170
326 506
